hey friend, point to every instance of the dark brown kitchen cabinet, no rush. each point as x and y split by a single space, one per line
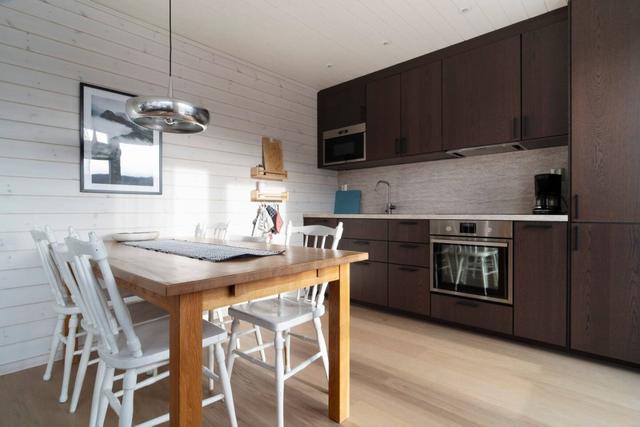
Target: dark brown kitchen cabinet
545 81
416 254
422 110
342 106
367 229
605 290
369 282
540 281
478 314
605 111
376 249
481 95
409 288
405 230
383 118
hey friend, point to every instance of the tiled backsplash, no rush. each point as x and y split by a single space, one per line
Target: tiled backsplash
497 183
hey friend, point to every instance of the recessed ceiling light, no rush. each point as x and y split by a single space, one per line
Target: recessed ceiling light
386 43
329 65
465 9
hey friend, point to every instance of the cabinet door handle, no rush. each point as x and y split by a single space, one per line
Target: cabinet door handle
525 125
405 246
575 238
409 269
364 263
363 113
403 144
360 242
397 146
575 206
408 223
466 303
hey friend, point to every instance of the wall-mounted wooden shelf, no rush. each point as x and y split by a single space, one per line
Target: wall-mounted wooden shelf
259 173
266 197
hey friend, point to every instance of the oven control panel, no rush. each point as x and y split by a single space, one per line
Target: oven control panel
451 227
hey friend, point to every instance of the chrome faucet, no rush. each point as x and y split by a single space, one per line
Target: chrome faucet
389 207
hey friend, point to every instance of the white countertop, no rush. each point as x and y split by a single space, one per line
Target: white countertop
470 217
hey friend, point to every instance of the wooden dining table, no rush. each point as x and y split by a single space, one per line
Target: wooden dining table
186 286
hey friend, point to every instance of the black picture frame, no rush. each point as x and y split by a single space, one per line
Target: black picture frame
87 184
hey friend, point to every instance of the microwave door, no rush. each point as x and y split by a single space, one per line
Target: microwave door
341 146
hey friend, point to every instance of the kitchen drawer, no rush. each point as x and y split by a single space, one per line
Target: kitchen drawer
367 229
377 249
409 253
494 317
409 288
369 282
329 222
405 230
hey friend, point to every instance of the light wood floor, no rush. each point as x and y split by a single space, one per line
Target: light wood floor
403 373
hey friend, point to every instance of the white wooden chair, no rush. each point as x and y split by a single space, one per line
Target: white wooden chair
66 289
281 314
219 316
64 307
124 346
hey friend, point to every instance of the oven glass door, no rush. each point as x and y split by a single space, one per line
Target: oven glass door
476 268
344 148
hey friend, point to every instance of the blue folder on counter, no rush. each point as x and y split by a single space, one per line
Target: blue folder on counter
347 202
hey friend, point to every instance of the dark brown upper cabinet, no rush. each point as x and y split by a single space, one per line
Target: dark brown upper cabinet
481 95
340 107
383 118
605 111
605 290
422 110
545 81
540 281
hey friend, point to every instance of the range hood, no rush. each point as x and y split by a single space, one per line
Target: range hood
487 149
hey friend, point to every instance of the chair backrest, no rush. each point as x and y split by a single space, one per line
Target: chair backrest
316 237
216 231
43 240
80 253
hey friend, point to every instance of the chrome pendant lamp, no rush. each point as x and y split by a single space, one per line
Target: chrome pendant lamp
167 114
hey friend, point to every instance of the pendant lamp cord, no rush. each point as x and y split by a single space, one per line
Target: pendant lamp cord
170 42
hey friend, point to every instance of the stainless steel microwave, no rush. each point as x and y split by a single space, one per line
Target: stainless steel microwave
344 145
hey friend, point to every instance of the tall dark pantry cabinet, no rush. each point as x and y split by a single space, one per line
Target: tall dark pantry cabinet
605 178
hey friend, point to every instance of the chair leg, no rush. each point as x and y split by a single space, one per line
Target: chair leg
259 341
82 370
226 385
287 351
55 343
70 347
103 405
97 391
211 360
128 387
232 346
322 345
279 347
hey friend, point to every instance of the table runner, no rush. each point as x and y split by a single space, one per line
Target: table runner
204 251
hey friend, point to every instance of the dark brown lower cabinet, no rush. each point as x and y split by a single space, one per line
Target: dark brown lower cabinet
540 281
493 317
409 288
369 282
605 290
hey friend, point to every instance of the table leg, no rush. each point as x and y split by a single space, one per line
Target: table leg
185 362
339 346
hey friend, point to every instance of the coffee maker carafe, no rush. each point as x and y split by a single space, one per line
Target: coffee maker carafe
548 194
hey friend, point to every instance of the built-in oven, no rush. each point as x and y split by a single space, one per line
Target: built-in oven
344 145
472 259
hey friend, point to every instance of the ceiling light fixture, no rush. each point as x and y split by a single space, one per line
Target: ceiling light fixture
167 114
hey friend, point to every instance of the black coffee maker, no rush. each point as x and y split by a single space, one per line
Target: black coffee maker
548 194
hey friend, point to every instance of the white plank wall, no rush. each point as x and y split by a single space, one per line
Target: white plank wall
46 49
496 183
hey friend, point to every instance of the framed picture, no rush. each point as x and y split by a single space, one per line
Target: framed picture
116 155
